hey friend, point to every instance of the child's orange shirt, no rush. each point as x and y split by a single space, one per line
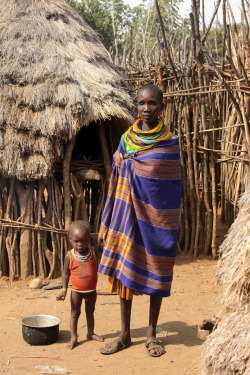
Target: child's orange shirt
83 272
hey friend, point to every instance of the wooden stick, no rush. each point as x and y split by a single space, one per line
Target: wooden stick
66 183
99 206
176 94
165 41
191 181
184 182
198 199
9 232
221 153
211 22
38 356
39 236
214 206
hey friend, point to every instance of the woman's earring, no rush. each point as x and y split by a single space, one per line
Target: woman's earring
160 116
139 116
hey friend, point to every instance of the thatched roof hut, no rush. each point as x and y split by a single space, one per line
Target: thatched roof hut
58 86
55 77
227 350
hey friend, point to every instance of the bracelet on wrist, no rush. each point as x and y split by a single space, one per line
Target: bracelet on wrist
64 289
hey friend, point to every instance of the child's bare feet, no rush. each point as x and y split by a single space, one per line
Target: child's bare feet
72 344
93 336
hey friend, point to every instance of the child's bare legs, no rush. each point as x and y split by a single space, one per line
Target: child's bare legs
90 300
76 303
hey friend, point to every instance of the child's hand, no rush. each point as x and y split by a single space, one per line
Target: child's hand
61 296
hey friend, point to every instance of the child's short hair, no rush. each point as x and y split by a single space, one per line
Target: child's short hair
79 224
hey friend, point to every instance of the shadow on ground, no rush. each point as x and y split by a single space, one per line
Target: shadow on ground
177 333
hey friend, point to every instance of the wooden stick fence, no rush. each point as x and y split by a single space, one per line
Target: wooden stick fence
206 97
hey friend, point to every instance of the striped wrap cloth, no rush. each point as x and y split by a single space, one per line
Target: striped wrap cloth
139 229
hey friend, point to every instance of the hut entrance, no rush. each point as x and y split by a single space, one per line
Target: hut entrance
86 176
87 145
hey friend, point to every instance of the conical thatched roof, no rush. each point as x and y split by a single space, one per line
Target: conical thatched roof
55 77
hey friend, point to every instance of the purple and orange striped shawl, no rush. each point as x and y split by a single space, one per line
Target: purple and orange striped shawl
139 229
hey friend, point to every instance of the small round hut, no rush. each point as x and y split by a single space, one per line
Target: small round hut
63 108
227 350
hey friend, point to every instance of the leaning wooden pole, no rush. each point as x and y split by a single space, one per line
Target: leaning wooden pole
25 196
9 231
165 41
66 183
196 181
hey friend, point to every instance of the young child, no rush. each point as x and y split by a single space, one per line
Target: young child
80 264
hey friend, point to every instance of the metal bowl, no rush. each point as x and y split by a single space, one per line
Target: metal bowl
40 329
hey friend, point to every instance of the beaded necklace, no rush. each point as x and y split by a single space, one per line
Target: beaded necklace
135 139
83 258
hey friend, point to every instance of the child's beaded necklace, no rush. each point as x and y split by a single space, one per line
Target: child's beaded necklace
83 258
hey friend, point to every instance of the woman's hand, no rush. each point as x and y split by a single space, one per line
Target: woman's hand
98 253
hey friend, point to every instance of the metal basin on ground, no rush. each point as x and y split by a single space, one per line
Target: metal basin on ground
40 329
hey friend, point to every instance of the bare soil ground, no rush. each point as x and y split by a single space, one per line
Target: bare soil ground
194 297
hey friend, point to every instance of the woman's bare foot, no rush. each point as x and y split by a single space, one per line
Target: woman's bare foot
72 344
94 337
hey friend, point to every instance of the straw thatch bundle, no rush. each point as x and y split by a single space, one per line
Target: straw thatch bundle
55 77
234 263
227 350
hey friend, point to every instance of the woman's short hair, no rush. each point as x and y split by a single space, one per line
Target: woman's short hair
156 89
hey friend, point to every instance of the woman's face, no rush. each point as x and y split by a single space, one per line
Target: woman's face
149 107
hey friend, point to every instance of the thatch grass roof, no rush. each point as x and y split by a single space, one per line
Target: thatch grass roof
227 350
234 262
55 77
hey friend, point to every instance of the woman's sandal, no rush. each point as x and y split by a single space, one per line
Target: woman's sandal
115 346
153 343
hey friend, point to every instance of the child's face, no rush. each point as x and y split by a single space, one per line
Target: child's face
149 106
79 239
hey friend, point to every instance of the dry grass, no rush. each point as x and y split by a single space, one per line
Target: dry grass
55 77
227 349
234 263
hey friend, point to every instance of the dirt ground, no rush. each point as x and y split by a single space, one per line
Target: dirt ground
194 297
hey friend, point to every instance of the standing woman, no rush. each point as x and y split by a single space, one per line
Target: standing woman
139 229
